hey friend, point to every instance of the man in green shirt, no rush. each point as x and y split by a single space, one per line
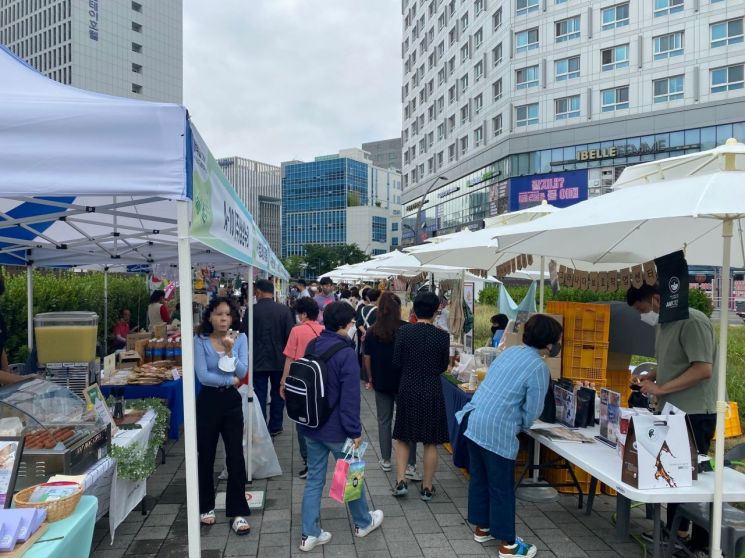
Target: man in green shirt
686 376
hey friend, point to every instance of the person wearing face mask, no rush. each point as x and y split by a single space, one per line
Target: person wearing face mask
509 400
686 377
326 296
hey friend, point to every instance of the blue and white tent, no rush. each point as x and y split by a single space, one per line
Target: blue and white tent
87 178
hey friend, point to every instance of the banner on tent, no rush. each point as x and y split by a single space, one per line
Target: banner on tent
219 218
515 264
606 281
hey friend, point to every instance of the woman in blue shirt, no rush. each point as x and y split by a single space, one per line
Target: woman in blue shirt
220 363
508 400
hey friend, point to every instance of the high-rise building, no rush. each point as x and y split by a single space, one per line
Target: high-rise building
506 103
259 185
340 199
385 154
119 47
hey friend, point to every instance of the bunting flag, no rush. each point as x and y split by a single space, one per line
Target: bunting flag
608 281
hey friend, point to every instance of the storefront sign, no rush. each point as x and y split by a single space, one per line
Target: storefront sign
447 191
625 150
560 189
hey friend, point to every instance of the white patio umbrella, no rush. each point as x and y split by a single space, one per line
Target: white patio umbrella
698 213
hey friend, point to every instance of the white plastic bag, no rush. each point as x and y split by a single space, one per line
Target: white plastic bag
264 462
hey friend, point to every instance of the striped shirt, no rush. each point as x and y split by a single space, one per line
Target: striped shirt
509 399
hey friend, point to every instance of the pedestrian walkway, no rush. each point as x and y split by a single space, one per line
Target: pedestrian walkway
411 528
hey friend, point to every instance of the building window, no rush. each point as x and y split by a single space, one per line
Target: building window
727 78
615 16
567 29
478 37
479 6
451 153
497 54
464 114
526 6
440 131
496 124
465 53
615 57
567 107
497 89
452 36
496 19
478 103
464 22
451 95
136 47
136 88
394 241
726 33
526 77
136 68
379 229
669 45
136 27
463 145
665 7
478 136
616 98
136 6
464 83
478 70
526 115
526 40
567 68
394 226
668 89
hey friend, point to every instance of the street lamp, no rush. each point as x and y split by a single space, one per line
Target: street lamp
418 224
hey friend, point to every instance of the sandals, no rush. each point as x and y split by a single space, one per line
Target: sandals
240 526
207 518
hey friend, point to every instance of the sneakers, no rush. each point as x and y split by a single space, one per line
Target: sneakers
426 493
377 520
482 535
412 473
303 474
520 548
401 489
308 543
385 464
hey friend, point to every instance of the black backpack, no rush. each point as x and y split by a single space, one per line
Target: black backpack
306 395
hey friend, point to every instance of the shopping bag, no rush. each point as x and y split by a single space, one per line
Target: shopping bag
349 475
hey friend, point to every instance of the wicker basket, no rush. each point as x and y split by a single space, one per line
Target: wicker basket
56 509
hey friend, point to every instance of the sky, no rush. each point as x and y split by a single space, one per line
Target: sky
277 80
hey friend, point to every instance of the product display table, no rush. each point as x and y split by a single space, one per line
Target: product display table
455 400
604 464
70 537
171 392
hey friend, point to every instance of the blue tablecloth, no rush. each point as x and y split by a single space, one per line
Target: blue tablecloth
171 392
70 537
455 400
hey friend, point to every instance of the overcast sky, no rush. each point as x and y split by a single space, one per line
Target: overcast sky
275 80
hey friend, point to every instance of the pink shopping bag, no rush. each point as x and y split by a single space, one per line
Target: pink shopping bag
339 481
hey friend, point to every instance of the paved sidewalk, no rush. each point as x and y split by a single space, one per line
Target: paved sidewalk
411 528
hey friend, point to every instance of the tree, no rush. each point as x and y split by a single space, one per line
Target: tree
349 254
295 265
319 258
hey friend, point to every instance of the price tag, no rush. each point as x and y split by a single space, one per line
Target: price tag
175 373
109 366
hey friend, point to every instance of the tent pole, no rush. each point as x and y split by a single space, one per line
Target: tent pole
187 350
30 306
716 518
543 284
105 309
250 333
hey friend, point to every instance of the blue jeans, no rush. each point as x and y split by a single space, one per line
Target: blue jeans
277 405
318 456
491 492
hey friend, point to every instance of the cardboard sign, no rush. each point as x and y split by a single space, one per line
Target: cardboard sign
659 452
562 275
650 273
637 276
584 280
625 279
109 366
530 259
602 281
612 281
576 279
593 281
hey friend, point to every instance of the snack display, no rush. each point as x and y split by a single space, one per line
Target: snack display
152 373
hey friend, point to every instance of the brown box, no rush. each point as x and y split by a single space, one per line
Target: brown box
132 338
140 347
160 331
127 359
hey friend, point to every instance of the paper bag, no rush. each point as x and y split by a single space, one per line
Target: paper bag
348 479
659 452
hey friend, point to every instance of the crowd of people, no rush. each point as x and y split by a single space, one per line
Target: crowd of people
372 346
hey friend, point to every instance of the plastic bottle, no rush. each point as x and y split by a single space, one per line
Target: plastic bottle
177 351
149 349
170 350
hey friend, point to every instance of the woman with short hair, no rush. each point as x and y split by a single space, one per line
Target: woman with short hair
509 400
422 351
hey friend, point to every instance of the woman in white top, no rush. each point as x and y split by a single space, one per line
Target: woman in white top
157 312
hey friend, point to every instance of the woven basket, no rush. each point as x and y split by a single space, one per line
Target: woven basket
56 509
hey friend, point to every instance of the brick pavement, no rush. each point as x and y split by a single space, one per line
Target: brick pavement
411 528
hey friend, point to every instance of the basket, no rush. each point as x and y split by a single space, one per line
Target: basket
56 509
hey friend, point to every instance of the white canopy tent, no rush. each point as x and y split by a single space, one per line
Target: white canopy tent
122 175
694 203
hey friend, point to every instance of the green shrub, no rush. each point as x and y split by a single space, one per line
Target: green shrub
61 291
